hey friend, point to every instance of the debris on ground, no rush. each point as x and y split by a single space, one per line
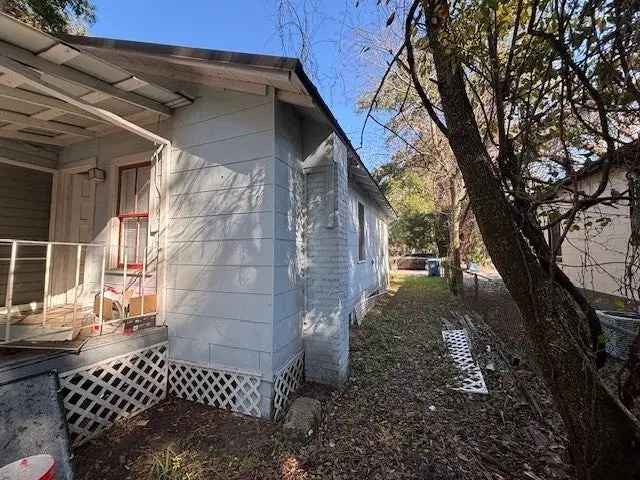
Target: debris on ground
395 419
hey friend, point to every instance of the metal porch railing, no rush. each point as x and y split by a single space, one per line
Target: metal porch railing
80 248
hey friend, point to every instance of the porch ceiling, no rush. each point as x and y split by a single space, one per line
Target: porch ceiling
54 94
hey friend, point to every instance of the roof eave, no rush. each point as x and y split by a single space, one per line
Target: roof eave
261 62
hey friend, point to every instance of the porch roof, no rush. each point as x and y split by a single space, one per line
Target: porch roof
54 94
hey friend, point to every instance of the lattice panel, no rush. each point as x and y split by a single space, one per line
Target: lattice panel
286 382
238 392
470 377
98 395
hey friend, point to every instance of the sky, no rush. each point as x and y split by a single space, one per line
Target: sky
337 32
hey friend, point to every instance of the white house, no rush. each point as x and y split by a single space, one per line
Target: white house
594 255
211 195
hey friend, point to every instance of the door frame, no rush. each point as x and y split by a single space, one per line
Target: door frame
57 190
60 223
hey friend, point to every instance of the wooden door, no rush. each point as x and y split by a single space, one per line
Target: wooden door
74 222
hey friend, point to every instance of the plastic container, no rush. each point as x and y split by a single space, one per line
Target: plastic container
432 266
621 329
38 467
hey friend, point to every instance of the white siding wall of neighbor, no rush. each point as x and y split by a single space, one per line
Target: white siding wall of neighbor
221 235
594 256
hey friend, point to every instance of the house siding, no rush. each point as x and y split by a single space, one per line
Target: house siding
289 221
221 234
593 257
372 273
25 199
261 236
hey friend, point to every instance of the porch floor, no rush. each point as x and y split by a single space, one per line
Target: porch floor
61 331
17 363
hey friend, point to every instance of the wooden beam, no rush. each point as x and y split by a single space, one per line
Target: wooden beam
20 147
75 76
20 154
152 68
45 102
27 121
31 166
295 98
30 137
33 78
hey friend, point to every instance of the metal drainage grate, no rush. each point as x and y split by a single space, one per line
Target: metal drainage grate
470 377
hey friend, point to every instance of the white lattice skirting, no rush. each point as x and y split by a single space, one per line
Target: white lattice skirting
470 377
234 391
97 395
288 379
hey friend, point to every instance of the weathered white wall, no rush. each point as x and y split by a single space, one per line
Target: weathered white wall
371 274
260 262
41 156
336 281
289 241
594 256
326 326
221 235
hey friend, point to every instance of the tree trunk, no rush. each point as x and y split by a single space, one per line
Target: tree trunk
455 213
602 438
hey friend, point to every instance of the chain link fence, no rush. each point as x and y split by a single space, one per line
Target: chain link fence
488 296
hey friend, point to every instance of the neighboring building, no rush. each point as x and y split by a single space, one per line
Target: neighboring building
228 187
594 254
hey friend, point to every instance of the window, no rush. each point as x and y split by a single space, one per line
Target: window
554 239
361 226
133 214
634 207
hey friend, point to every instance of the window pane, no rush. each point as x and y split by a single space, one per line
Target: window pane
128 239
142 189
127 190
142 239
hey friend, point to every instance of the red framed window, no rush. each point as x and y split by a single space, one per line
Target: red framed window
133 214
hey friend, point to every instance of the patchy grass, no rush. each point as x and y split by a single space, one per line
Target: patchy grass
396 418
169 465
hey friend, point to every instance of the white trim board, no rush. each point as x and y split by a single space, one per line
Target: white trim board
30 166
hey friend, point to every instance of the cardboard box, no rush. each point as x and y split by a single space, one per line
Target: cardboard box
135 305
107 309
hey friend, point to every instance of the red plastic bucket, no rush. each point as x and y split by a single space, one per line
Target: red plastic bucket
38 467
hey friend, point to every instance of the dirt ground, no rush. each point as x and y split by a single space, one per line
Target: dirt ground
396 418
